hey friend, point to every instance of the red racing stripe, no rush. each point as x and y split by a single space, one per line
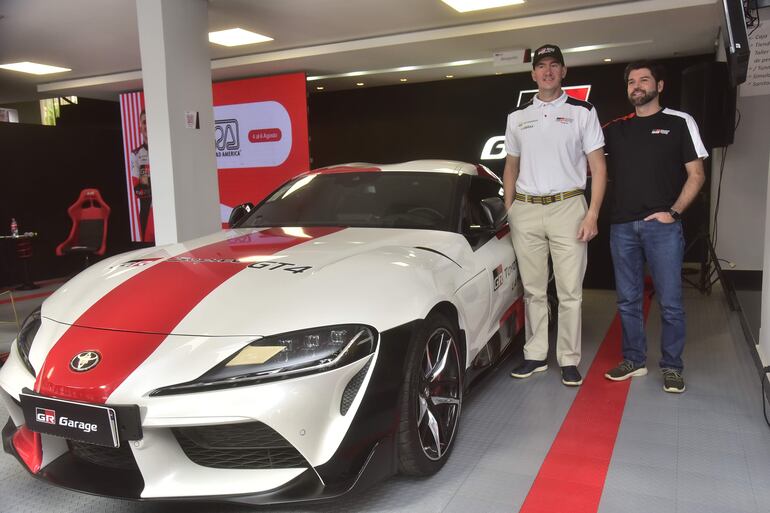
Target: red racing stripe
572 475
142 310
516 308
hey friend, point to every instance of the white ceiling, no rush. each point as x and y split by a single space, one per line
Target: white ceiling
98 39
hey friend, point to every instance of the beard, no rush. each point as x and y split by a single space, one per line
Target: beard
644 99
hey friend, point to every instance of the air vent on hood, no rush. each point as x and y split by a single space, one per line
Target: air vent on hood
438 253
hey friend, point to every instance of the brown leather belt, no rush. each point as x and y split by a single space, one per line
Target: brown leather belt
547 200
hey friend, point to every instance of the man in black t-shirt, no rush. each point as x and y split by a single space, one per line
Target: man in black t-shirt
655 163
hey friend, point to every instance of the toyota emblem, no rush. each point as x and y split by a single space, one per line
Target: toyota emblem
85 361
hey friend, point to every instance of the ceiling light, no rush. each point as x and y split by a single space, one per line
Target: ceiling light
478 5
604 46
607 60
237 37
33 67
403 79
320 88
359 83
399 69
450 76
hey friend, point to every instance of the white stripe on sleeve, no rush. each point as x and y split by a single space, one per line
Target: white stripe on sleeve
692 126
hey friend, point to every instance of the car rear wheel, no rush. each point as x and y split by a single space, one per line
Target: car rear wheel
432 395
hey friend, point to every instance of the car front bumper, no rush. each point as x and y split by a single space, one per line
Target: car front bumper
364 452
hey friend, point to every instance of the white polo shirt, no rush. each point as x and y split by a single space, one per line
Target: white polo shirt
552 140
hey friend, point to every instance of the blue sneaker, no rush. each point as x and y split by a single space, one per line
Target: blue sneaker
529 367
570 376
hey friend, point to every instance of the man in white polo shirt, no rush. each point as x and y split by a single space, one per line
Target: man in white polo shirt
549 141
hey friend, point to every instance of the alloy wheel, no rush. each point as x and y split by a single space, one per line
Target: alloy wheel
439 394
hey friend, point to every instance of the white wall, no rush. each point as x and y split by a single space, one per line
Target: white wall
741 237
744 219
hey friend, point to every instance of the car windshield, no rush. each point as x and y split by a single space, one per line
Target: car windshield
368 199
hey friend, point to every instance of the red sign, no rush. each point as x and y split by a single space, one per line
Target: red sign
265 135
261 140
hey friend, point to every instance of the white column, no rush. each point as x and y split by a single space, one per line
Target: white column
176 73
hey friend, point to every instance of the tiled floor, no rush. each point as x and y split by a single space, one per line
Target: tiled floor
707 450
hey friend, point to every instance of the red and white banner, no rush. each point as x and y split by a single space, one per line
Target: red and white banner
131 106
261 140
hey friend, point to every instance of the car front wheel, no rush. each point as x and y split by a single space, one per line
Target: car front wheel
432 396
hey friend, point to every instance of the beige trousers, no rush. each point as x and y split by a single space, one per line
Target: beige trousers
537 230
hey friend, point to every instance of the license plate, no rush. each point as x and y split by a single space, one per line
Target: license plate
90 423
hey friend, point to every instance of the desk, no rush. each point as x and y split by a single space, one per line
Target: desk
24 255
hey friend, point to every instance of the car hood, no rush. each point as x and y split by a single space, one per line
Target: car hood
254 282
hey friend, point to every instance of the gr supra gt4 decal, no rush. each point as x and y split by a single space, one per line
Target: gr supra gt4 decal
323 341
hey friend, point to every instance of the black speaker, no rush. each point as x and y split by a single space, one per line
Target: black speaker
709 98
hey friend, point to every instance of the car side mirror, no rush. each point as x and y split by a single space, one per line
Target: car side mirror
239 213
494 211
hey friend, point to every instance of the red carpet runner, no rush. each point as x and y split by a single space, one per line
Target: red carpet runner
572 476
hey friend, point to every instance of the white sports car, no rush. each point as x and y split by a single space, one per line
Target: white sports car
324 341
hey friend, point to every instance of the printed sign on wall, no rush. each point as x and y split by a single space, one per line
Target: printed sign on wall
758 76
137 163
266 142
260 139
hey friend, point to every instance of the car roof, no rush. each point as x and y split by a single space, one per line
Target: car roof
422 166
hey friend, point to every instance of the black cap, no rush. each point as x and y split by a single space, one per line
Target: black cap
547 51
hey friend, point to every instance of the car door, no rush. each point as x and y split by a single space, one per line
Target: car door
494 254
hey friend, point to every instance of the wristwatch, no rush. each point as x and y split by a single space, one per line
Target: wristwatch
673 213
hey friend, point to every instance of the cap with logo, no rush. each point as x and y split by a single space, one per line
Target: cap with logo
547 51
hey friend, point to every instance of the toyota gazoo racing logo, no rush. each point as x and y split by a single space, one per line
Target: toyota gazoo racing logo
500 274
85 361
45 416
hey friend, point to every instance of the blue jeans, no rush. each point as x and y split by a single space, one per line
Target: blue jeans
661 245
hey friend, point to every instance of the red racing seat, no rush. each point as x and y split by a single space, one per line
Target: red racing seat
88 235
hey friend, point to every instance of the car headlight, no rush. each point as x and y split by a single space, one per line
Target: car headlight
284 356
26 336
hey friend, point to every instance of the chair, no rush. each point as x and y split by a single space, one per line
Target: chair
88 236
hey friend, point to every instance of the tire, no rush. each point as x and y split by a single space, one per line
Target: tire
431 397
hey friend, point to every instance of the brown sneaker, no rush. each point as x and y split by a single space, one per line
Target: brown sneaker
673 381
626 369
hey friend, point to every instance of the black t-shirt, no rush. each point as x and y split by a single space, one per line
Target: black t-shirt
646 158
